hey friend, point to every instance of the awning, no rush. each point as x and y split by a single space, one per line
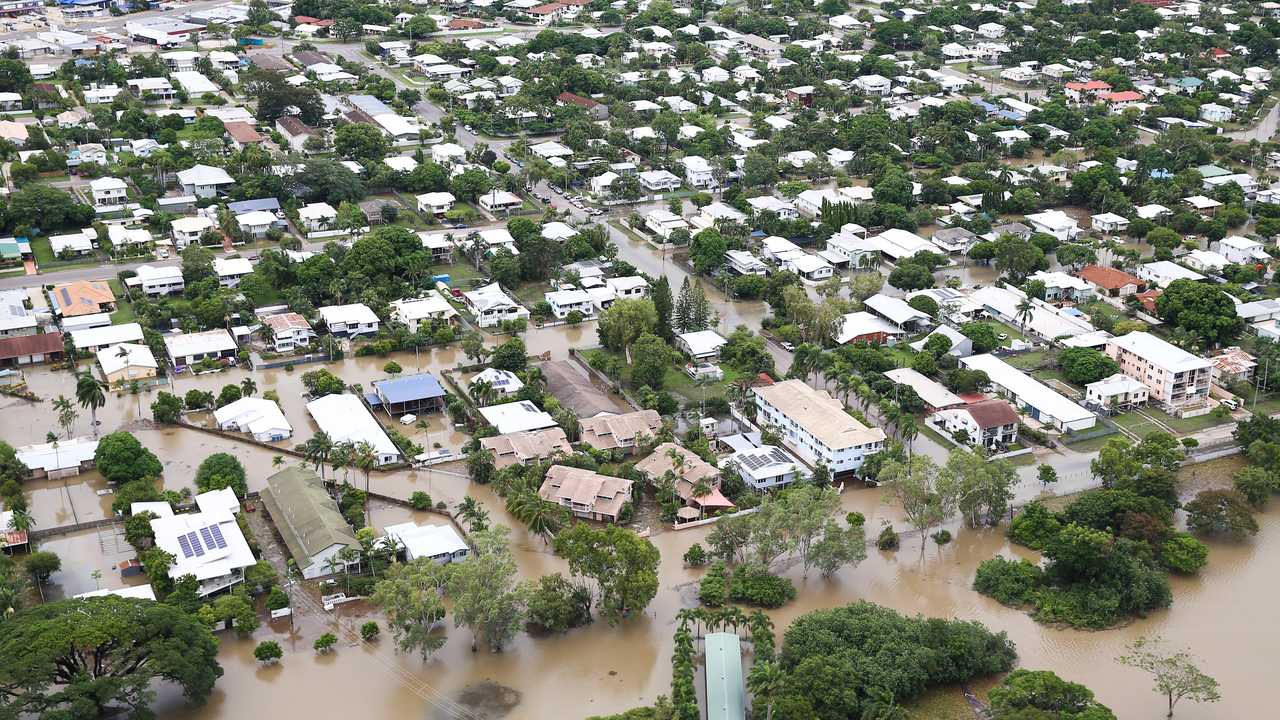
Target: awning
713 499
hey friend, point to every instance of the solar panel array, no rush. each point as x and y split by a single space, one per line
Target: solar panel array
757 461
190 545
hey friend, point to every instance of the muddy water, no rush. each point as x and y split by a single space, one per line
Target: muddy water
1222 615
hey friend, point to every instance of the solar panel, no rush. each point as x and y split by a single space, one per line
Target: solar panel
186 546
207 537
217 536
196 547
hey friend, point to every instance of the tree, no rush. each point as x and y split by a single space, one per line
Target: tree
1042 694
1204 311
93 657
197 263
983 336
759 169
248 388
1255 484
66 414
623 565
1083 365
222 470
483 591
557 605
90 393
983 486
410 595
911 276
1221 512
652 359
1047 475
121 458
268 652
510 355
707 251
1018 258
624 322
43 564
360 141
325 643
927 495
1175 674
167 408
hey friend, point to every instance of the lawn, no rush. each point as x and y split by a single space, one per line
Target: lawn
46 260
124 309
680 384
1031 360
532 293
1140 425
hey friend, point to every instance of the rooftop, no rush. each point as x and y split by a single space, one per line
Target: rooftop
821 415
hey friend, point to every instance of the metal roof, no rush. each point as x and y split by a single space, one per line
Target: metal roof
409 388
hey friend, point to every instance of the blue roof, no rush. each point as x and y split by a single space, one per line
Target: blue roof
245 206
409 388
726 694
369 104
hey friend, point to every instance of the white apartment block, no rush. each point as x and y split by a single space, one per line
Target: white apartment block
1174 376
816 427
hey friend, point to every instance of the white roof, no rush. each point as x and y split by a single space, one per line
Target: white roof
1115 385
135 356
488 297
427 541
516 417
935 395
193 224
504 381
317 211
1060 280
108 335
355 313
805 264
69 454
162 272
1028 389
232 266
345 419
193 82
557 230
1046 320
1158 352
204 175
1164 270
1053 219
864 323
253 415
106 183
200 550
201 343
436 198
895 309
630 282
140 592
898 244
431 304
255 217
703 342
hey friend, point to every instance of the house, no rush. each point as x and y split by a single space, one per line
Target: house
289 331
188 230
125 363
67 458
1035 399
349 320
436 204
95 338
961 346
1116 393
74 244
698 173
935 395
158 281
954 240
439 245
1233 365
1056 223
1174 376
1213 112
586 494
625 431
514 417
255 224
766 467
991 424
784 209
691 472
630 287
862 326
308 520
812 268
521 448
701 346
190 348
744 263
664 222
430 308
1163 272
502 201
295 132
1242 251
1201 204
258 417
108 192
15 318
595 110
408 395
897 311
1205 261
1063 287
815 426
448 153
31 349
1109 223
490 306
346 419
204 181
231 271
317 217
565 302
439 543
659 180
82 297
207 544
503 382
1110 281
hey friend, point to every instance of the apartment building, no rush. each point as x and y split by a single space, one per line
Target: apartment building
816 427
1174 376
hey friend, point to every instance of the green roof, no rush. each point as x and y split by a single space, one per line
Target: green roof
726 696
307 518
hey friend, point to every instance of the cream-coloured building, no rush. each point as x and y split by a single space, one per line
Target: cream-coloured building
1174 376
815 426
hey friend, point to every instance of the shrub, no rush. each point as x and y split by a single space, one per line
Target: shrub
754 585
1184 554
1010 582
855 519
713 591
369 631
557 604
420 500
1221 512
325 643
1035 527
277 599
888 539
695 556
268 652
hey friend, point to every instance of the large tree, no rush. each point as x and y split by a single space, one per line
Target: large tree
483 591
91 658
927 495
623 565
624 322
1205 312
1083 365
121 458
1030 694
410 595
221 470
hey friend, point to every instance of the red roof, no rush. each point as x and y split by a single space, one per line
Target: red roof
1124 96
1220 53
547 9
308 20
1108 278
764 380
243 132
992 413
572 99
1091 85
464 24
1148 299
25 345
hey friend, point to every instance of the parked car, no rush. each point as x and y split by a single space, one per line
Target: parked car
787 346
455 292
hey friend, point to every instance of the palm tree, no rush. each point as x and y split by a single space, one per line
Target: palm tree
341 458
248 388
765 683
1023 313
90 393
20 520
66 414
277 461
701 489
365 459
482 392
317 451
470 510
908 429
845 385
542 517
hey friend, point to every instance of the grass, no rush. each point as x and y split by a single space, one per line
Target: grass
46 260
124 309
1031 360
532 293
681 384
1186 425
1013 332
